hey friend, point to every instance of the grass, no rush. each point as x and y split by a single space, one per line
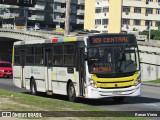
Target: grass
12 101
154 81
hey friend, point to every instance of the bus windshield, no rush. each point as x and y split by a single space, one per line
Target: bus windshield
108 60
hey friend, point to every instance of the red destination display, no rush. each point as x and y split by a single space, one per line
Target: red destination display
129 39
110 40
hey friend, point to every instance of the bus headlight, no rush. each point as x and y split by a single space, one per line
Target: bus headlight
92 83
1 70
138 80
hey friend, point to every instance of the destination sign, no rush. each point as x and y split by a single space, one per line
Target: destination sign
109 40
112 39
102 69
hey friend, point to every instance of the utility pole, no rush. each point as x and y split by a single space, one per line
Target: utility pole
149 29
67 17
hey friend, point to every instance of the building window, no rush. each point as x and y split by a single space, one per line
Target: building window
157 24
157 11
125 21
137 10
148 23
104 21
136 22
126 9
105 9
149 10
98 10
98 22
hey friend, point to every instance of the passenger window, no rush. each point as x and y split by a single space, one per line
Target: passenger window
17 56
39 58
30 55
58 55
69 51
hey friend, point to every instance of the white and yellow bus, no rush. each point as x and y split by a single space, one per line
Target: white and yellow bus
93 66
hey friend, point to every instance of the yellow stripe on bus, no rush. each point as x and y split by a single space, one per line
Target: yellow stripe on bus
110 82
115 85
13 56
20 27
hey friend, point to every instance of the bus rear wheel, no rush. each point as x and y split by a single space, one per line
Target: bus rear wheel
118 99
71 92
33 88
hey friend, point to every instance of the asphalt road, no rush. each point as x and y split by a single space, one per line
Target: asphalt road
148 101
7 84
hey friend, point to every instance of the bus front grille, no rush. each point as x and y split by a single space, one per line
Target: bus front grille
115 84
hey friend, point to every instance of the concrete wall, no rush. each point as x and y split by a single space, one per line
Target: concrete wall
150 66
150 62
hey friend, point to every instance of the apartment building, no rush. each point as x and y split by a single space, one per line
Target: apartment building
76 13
123 15
44 13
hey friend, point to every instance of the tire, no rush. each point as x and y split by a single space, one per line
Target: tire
33 87
118 99
71 92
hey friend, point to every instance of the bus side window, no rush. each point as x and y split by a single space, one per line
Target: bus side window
57 59
69 51
39 59
57 55
16 56
30 55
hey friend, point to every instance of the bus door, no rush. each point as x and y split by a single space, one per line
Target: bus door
81 70
48 56
22 63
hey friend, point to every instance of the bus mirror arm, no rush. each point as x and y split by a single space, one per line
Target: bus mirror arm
85 57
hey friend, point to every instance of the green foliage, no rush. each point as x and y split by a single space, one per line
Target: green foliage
157 37
155 34
145 32
155 81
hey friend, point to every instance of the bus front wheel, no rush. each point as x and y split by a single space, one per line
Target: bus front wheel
33 88
71 92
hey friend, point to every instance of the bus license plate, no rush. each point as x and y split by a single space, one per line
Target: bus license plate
117 92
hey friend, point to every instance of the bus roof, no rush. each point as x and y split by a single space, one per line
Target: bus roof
59 39
51 40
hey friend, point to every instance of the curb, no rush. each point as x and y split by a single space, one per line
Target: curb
151 84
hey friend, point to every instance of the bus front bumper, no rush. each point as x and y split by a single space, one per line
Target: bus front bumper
102 93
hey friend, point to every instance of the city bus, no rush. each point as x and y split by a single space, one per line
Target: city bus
91 66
